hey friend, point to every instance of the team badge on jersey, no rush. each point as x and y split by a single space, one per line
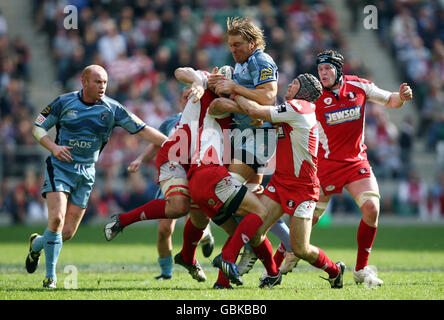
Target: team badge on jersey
352 96
266 73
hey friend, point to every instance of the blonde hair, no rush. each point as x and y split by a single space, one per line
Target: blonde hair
247 29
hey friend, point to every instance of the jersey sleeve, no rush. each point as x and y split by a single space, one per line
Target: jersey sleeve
128 120
372 91
262 71
50 115
284 113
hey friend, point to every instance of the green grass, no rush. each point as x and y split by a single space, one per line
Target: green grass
410 260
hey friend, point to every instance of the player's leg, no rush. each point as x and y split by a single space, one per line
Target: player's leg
366 194
51 240
300 232
165 231
74 215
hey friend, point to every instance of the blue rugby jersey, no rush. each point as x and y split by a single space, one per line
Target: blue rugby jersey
86 126
258 69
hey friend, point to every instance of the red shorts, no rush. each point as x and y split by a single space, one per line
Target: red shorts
290 194
334 175
210 187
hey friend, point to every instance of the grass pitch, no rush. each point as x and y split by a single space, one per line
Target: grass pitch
410 260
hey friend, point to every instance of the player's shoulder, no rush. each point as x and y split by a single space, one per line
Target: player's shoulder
260 57
352 78
111 103
69 96
301 106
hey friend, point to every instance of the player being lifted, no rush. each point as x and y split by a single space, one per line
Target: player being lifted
84 120
343 160
255 77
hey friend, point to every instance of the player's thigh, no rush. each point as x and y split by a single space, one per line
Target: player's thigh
229 226
251 204
241 168
362 185
74 215
300 232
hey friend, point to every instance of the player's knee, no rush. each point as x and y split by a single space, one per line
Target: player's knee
179 206
319 211
300 250
164 231
368 202
56 220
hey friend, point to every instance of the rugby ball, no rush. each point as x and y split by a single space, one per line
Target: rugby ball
227 71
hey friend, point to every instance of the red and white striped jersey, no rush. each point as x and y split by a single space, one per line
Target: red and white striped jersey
341 118
297 146
177 146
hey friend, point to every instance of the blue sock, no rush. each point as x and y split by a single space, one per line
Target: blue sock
52 246
166 265
37 244
280 230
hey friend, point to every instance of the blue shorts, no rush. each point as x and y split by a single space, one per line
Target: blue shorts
77 179
254 147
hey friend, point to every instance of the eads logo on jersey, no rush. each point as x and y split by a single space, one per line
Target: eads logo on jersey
343 115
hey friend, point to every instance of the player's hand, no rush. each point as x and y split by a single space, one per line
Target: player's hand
257 122
62 153
259 190
214 79
134 166
225 86
405 92
196 91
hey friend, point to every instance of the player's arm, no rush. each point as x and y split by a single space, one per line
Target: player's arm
60 152
195 79
263 94
397 98
221 106
253 109
152 135
147 155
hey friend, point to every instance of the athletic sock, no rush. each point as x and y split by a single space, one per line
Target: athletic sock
280 230
366 236
244 232
326 264
155 209
191 238
264 252
279 255
52 245
166 265
221 277
37 244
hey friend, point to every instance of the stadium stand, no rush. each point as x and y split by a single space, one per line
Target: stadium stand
141 43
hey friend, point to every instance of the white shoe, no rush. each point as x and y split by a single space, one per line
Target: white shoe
246 262
368 276
290 263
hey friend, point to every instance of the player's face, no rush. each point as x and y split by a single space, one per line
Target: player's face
327 75
240 48
94 85
292 89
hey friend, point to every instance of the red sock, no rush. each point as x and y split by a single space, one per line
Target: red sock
191 238
279 256
244 232
366 236
264 252
155 209
326 264
221 278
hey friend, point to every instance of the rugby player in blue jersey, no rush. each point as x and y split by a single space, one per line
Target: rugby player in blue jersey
84 122
255 77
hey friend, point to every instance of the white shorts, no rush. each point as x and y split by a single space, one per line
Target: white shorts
305 210
172 169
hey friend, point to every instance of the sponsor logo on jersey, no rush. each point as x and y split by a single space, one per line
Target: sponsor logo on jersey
80 144
281 132
40 119
266 73
343 115
351 96
281 108
46 111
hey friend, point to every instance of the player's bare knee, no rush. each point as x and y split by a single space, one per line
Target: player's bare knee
300 251
164 231
368 202
178 206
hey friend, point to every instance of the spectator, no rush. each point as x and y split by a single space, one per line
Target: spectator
412 195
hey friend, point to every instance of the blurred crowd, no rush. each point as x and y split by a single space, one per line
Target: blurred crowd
141 42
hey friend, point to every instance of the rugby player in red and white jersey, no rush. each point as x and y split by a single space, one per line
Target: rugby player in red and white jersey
220 195
342 153
172 164
294 186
